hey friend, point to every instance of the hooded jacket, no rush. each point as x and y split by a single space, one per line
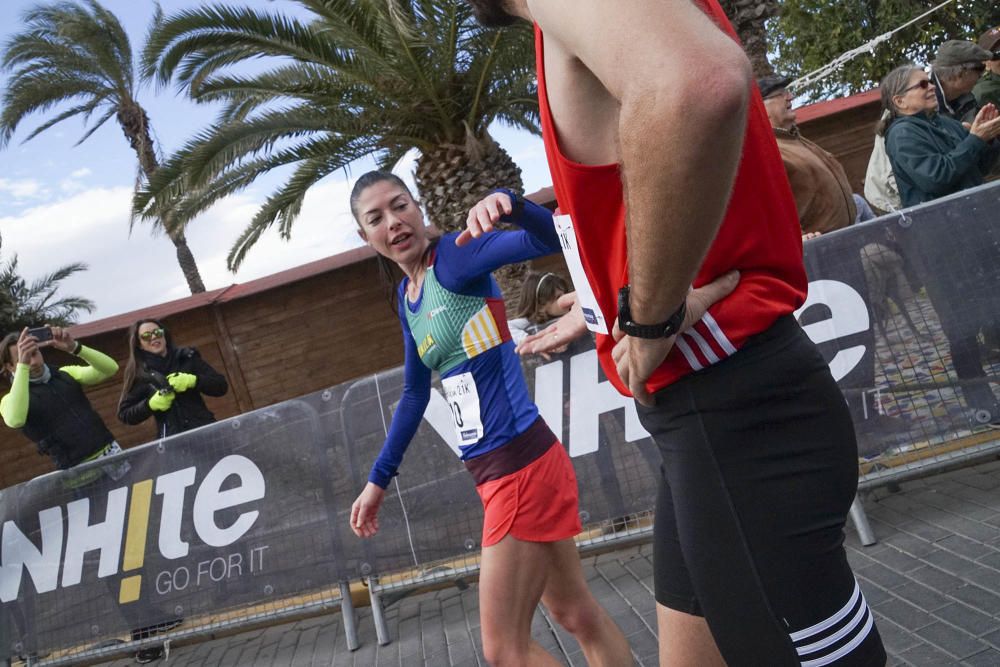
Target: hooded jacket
188 410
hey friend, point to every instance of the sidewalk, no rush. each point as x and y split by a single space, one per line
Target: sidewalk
933 581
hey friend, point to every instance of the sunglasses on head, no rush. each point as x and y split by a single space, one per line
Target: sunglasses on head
150 335
923 84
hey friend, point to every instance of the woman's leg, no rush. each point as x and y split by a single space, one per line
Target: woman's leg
572 605
511 580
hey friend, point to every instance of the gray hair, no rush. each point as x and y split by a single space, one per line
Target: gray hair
949 72
894 83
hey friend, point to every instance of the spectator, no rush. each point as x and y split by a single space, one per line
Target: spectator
932 154
50 408
48 405
987 89
539 303
954 73
166 382
819 184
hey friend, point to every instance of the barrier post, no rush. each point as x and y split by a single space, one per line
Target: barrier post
350 619
378 613
860 521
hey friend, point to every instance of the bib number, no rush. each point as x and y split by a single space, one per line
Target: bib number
592 314
463 400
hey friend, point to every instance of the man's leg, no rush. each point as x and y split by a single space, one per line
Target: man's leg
685 640
573 606
512 577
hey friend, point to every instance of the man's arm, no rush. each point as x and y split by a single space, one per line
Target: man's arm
100 369
14 406
682 86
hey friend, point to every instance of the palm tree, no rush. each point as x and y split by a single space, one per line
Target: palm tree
361 78
25 305
748 18
77 52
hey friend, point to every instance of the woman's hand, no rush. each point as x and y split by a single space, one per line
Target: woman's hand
986 126
484 215
364 511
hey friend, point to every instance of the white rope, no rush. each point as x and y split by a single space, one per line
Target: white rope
867 47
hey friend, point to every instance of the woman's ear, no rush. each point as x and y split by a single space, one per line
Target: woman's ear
362 235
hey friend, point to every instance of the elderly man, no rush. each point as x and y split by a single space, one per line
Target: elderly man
988 88
656 199
819 184
955 72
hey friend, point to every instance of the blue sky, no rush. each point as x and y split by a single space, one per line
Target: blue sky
62 204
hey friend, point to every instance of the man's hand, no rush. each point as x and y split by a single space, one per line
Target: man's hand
26 347
364 511
61 340
637 358
484 215
558 335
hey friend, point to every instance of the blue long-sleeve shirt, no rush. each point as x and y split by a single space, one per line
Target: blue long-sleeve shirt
506 410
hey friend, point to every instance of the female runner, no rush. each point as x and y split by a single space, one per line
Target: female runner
454 322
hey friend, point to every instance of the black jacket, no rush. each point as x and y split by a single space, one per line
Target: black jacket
188 410
62 422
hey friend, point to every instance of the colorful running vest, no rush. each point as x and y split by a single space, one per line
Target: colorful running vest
451 328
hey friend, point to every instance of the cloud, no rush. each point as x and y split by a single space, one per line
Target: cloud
128 273
21 188
80 173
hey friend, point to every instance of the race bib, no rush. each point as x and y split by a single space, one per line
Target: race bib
463 399
584 292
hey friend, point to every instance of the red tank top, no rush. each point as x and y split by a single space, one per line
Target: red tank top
760 236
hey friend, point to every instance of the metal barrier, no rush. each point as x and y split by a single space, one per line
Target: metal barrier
246 520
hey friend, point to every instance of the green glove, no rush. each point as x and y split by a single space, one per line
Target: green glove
161 402
181 382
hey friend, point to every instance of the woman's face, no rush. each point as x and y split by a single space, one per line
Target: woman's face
918 95
152 338
391 222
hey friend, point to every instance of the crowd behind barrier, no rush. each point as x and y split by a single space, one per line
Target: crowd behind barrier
247 519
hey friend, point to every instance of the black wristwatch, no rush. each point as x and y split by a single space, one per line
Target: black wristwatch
662 330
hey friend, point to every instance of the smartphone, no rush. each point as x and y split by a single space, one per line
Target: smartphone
41 334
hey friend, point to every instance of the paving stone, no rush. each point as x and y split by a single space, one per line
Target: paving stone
949 562
956 642
921 596
895 638
881 575
978 598
988 658
966 618
925 655
937 579
904 614
963 546
897 560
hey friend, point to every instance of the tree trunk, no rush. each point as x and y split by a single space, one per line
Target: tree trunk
748 18
453 178
135 124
